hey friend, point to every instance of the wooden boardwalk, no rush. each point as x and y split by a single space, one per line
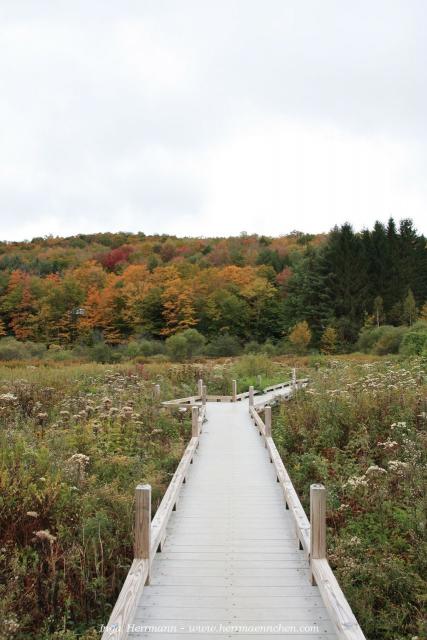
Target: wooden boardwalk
231 564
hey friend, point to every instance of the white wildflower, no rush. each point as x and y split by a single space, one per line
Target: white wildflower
375 470
8 397
45 534
398 467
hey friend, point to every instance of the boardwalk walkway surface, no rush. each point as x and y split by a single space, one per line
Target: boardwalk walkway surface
230 565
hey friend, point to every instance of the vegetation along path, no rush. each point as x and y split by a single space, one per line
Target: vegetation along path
234 559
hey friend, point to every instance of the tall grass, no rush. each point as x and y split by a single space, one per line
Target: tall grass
361 430
74 443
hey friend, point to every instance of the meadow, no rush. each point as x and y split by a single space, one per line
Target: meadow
360 429
76 439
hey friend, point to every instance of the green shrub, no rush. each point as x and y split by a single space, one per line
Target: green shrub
381 340
268 348
414 342
223 345
253 365
12 349
151 347
143 347
185 345
252 347
60 355
389 341
100 352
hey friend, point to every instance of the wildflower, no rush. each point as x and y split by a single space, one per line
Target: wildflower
398 467
42 417
44 534
79 459
8 397
388 445
375 470
356 481
127 410
32 514
10 624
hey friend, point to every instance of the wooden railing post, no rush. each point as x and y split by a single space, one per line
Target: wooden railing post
234 390
251 397
142 541
204 392
294 379
195 422
156 391
267 422
200 387
317 523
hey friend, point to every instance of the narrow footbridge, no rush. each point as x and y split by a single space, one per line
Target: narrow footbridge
230 551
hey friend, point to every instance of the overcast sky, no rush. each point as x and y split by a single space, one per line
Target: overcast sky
211 117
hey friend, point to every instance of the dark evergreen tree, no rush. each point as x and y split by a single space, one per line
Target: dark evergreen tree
344 268
307 297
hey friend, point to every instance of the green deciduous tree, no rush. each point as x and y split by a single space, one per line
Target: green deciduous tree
410 308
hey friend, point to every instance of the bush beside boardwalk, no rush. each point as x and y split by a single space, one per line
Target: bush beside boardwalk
190 344
76 439
360 429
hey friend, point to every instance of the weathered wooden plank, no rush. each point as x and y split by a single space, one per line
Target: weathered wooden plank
297 614
284 601
280 385
291 497
240 581
160 520
241 591
345 623
181 401
124 609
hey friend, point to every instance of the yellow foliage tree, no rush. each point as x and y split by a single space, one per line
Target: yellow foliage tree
328 341
178 305
300 336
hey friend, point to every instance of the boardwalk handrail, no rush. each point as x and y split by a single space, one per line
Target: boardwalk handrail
190 400
343 618
116 628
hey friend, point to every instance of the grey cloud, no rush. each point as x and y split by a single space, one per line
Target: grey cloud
90 92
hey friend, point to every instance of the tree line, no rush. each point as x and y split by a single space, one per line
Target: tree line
302 289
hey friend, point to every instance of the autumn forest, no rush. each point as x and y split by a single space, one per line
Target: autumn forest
296 291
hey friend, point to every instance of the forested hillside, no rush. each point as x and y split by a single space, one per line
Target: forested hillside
116 287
